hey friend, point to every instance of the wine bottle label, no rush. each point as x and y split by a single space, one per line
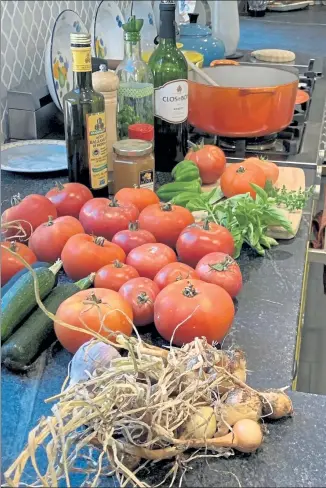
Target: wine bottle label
97 150
171 101
81 59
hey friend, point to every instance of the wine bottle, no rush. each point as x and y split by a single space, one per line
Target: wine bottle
170 71
84 116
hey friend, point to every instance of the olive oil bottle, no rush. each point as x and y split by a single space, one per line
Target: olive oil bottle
84 116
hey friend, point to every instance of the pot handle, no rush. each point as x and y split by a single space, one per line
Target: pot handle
255 91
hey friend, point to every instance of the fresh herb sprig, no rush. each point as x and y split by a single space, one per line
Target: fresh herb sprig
247 219
290 199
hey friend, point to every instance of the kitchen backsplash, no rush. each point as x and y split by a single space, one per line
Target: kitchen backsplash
25 29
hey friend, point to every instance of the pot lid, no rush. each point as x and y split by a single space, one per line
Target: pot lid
193 29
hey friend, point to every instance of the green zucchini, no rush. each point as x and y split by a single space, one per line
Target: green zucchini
37 332
12 281
20 299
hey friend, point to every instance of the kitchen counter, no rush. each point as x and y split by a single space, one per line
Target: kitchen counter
265 327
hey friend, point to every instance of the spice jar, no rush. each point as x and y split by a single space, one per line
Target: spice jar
133 164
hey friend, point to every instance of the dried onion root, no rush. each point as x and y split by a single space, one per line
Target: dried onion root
132 413
144 408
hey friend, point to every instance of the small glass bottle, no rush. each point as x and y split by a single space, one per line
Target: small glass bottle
136 87
85 128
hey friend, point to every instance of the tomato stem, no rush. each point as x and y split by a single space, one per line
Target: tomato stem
114 203
13 246
133 225
92 298
117 263
241 169
223 265
136 186
167 207
190 291
99 241
59 185
50 221
143 298
206 225
15 199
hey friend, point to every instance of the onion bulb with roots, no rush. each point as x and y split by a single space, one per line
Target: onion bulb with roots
247 436
238 404
276 404
200 425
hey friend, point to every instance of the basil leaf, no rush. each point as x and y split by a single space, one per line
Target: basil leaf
196 204
215 196
273 216
269 188
238 243
260 192
268 241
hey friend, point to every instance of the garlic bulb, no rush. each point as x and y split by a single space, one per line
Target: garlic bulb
90 356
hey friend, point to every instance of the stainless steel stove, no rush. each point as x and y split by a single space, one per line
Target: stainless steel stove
303 142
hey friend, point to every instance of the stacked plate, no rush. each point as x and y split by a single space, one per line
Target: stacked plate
107 40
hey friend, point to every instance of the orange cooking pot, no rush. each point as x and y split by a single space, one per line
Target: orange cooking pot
250 101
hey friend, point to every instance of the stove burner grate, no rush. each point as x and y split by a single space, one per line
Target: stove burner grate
250 144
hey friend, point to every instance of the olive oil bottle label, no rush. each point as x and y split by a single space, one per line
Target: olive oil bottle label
81 59
171 101
97 150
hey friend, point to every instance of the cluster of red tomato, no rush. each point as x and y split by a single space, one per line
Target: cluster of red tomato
130 244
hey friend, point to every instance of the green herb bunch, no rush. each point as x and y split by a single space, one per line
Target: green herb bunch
247 219
291 200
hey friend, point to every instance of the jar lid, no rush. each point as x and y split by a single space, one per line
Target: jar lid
132 147
145 132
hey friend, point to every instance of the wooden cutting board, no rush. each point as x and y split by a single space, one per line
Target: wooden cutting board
293 179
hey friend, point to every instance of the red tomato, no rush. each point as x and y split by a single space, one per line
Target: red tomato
237 179
270 169
84 254
206 310
10 264
69 198
102 217
140 293
148 259
30 212
198 240
88 308
140 197
49 239
113 276
220 269
165 222
211 162
132 237
174 272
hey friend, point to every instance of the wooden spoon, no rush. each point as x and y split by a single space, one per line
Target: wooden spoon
202 73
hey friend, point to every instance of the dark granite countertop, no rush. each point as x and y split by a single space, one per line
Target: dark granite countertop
265 327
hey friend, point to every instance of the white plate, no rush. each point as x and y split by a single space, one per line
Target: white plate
143 10
58 58
107 32
287 7
36 156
